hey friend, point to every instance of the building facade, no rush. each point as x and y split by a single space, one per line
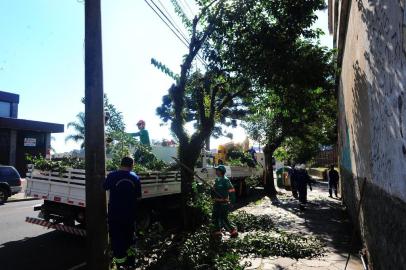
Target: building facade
19 137
370 37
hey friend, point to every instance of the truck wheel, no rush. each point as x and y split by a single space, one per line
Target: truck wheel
3 195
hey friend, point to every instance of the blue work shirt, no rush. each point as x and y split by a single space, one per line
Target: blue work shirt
125 189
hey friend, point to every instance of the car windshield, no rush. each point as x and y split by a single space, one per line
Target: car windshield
9 172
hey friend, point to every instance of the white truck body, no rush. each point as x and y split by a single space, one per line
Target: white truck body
64 194
233 172
69 187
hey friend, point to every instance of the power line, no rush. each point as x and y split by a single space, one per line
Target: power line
163 20
181 38
169 14
188 6
166 17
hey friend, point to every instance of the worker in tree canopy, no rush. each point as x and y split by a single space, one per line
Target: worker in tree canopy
125 190
143 133
223 193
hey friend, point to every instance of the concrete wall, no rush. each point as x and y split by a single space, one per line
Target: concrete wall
371 42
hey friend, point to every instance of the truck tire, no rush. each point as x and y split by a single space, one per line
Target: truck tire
3 195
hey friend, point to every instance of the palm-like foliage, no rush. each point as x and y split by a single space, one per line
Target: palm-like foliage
79 128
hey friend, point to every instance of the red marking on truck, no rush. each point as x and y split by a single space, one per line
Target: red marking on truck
45 197
57 199
145 191
82 204
71 202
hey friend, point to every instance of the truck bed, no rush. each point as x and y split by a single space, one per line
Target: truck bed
69 187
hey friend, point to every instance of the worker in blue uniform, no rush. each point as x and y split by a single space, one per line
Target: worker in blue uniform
125 189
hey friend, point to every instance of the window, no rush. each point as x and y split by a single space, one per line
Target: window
5 109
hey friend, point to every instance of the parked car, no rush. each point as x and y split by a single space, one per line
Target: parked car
10 182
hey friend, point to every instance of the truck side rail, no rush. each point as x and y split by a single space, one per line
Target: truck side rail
69 186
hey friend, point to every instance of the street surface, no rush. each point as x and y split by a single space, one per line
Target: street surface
27 246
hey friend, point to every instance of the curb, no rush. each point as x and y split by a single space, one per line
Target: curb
22 200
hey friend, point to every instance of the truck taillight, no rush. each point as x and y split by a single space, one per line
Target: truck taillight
19 182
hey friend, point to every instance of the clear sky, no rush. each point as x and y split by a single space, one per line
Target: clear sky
42 60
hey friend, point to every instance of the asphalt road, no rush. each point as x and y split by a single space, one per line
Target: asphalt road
27 246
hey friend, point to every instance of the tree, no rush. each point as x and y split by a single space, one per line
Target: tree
301 107
274 45
203 98
114 124
79 127
241 42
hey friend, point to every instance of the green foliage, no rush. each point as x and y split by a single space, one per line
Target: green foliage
239 158
60 166
114 125
195 250
249 222
79 128
278 243
159 249
253 181
145 158
281 154
118 148
228 261
181 13
203 204
164 69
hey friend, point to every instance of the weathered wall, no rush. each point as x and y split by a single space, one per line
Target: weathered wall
372 125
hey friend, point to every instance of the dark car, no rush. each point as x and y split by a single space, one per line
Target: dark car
10 182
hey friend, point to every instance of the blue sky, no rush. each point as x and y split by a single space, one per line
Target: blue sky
42 60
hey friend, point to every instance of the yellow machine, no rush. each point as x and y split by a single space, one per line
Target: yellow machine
221 154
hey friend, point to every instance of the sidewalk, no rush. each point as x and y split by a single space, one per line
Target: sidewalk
21 195
324 217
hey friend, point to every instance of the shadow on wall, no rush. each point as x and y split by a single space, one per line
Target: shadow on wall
377 130
386 60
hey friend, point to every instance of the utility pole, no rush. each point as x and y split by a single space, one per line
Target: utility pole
97 240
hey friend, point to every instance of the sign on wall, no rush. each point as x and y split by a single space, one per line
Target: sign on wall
30 142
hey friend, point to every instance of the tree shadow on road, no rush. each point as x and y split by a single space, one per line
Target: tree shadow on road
52 250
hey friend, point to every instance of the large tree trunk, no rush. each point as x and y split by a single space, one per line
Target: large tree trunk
188 155
270 189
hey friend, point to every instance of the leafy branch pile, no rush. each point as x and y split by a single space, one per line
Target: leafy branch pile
198 250
248 222
146 160
60 166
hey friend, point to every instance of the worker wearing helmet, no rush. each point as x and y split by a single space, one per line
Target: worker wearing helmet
223 193
143 133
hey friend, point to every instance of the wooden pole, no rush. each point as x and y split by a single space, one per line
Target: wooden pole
96 227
